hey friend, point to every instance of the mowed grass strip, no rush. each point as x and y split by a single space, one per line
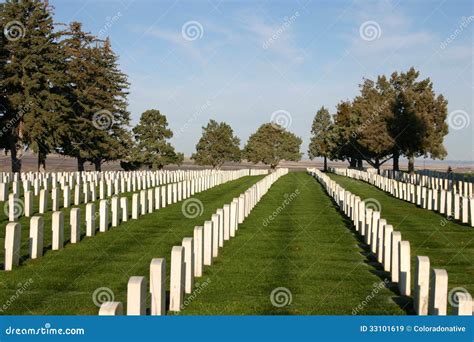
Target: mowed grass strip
306 248
448 244
63 282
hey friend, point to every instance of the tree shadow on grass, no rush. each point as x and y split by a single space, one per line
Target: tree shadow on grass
404 302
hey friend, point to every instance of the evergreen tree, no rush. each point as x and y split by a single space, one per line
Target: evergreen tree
321 130
111 116
98 91
217 145
151 134
272 143
32 83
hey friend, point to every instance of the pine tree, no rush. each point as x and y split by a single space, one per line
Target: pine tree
98 91
151 134
111 115
217 145
271 144
32 80
321 130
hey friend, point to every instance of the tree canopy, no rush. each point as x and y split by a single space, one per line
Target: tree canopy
217 145
391 117
152 135
321 140
272 143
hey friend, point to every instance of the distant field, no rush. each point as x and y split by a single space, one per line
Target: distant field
61 163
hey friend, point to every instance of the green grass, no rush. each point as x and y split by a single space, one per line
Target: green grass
63 282
307 248
47 217
448 244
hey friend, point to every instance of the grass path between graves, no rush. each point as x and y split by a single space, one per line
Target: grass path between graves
63 282
47 218
448 244
307 248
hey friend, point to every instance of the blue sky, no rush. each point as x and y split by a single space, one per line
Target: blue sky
246 62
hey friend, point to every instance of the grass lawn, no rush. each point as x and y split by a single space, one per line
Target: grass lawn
63 282
448 244
307 248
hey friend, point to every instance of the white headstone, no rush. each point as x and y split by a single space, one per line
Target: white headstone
464 304
198 251
124 208
12 245
177 278
75 222
158 286
90 219
58 230
395 267
438 292
103 215
136 296
422 285
115 210
111 309
208 241
188 245
404 283
135 206
36 237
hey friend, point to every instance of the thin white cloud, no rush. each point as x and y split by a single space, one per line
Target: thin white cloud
276 38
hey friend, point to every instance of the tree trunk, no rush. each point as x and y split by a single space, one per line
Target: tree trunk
396 164
15 156
325 164
377 165
41 161
98 165
411 164
360 164
352 162
80 164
